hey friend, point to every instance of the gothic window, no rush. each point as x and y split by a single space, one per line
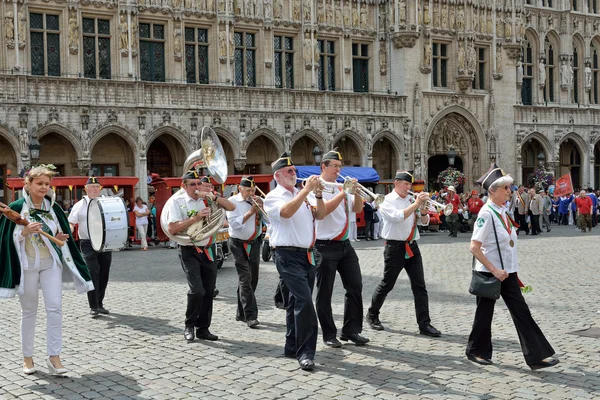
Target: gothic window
576 72
96 48
550 72
595 89
546 3
45 44
575 3
482 68
326 65
526 87
245 59
284 61
440 65
152 52
360 67
196 43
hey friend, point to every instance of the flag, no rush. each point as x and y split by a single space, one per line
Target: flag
563 186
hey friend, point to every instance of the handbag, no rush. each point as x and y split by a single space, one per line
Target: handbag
483 285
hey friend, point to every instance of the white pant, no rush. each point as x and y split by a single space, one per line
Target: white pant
352 234
142 229
50 281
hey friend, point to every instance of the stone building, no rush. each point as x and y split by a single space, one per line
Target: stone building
125 87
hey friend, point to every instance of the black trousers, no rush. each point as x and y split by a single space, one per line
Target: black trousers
394 263
339 257
301 319
535 223
247 270
534 345
522 221
369 229
201 275
281 293
453 223
99 266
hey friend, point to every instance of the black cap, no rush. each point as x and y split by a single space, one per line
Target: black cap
206 179
284 161
247 181
92 180
405 176
332 155
493 174
191 174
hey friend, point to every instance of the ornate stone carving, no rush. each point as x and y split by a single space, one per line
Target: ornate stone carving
22 28
141 122
166 117
382 58
177 44
405 39
84 166
53 115
239 164
112 116
73 33
123 35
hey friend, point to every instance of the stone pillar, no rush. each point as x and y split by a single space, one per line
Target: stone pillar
141 166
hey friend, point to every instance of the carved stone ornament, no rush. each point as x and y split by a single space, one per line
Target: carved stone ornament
166 117
85 121
141 122
84 166
23 118
112 116
239 164
404 39
513 51
53 115
194 122
464 83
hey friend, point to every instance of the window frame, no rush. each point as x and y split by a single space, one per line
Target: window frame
197 45
363 60
153 41
327 65
483 65
45 32
97 35
244 49
439 73
286 59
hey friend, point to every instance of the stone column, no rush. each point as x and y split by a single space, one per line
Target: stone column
141 167
23 158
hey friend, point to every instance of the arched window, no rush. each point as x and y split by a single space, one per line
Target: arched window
526 87
594 90
576 72
575 4
550 70
593 6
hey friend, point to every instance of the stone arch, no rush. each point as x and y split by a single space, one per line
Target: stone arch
173 131
580 144
579 141
543 140
554 38
534 38
358 140
119 130
388 134
311 133
62 130
479 135
268 132
229 137
11 137
394 147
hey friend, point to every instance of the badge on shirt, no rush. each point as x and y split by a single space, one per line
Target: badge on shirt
480 222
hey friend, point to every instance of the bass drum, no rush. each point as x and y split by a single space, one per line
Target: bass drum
107 223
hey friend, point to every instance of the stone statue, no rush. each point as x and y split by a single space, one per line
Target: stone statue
124 39
426 19
222 42
316 51
210 5
471 59
248 8
134 33
268 9
427 54
436 16
307 50
176 4
347 14
142 141
258 8
187 4
9 27
382 59
444 24
462 144
85 142
307 10
22 26
401 11
296 10
277 9
330 13
490 26
542 72
461 58
355 16
564 73
364 16
231 41
460 19
519 72
482 22
475 23
237 7
499 61
499 27
243 141
24 141
451 19
588 75
287 141
177 46
321 15
369 144
339 16
507 27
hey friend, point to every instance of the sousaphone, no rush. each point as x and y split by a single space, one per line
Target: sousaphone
211 157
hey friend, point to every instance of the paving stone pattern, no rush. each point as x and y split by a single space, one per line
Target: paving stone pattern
138 352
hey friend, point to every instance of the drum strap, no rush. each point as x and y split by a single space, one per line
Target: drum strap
35 215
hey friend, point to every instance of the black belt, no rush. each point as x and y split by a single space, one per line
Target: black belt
399 243
245 241
191 246
292 248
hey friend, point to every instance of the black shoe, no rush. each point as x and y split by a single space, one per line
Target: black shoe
430 331
307 365
368 239
242 319
94 313
548 362
374 322
451 234
548 230
333 343
215 293
188 333
280 305
356 338
479 360
289 355
103 310
252 323
206 335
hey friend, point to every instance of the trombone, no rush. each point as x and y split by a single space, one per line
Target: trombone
433 205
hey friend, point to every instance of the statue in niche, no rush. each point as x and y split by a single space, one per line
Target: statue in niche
237 7
187 4
426 19
307 43
490 26
296 10
451 19
482 21
347 15
436 16
499 27
364 16
307 8
85 143
9 27
570 73
24 141
471 59
339 17
499 60
355 16
460 19
231 40
268 9
588 75
176 4
381 17
475 23
461 58
277 9
439 143
248 8
243 141
177 46
462 144
316 51
369 144
507 26
330 17
142 141
258 9
519 72
542 72
321 15
444 23
22 25
73 32
222 42
124 40
427 54
401 11
134 34
382 58
564 73
210 5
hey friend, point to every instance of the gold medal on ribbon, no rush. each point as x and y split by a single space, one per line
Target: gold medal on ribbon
511 243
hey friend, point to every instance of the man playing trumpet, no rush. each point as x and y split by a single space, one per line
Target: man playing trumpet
245 239
401 214
338 255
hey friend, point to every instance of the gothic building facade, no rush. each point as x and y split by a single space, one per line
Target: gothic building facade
125 87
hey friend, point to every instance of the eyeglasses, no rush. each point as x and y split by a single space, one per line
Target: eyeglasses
335 166
506 187
194 184
290 171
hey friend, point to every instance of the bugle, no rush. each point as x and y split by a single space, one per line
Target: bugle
435 206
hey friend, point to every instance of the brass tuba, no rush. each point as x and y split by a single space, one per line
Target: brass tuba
210 156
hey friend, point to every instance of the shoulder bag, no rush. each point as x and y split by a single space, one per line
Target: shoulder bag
483 285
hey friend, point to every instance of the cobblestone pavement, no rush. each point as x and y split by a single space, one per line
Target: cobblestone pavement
139 351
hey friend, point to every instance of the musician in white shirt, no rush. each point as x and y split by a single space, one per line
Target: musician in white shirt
338 255
399 212
245 239
98 262
293 237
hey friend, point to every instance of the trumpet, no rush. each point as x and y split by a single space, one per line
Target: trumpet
327 187
433 205
363 192
258 204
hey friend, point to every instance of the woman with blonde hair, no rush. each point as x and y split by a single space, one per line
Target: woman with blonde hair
141 221
30 260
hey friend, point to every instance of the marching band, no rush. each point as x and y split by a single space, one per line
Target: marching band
309 226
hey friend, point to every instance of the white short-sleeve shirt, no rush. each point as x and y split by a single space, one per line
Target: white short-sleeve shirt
180 206
298 230
395 225
483 232
237 228
333 224
78 216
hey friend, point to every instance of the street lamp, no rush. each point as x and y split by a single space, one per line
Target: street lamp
34 150
317 154
541 159
451 156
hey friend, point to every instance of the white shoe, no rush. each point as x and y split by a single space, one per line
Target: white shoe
53 370
358 240
352 240
29 371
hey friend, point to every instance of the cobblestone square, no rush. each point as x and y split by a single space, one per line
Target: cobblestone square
138 351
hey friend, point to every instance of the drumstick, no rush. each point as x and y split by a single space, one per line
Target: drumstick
16 218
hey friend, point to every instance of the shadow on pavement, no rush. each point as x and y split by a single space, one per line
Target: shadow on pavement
112 384
499 344
151 326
